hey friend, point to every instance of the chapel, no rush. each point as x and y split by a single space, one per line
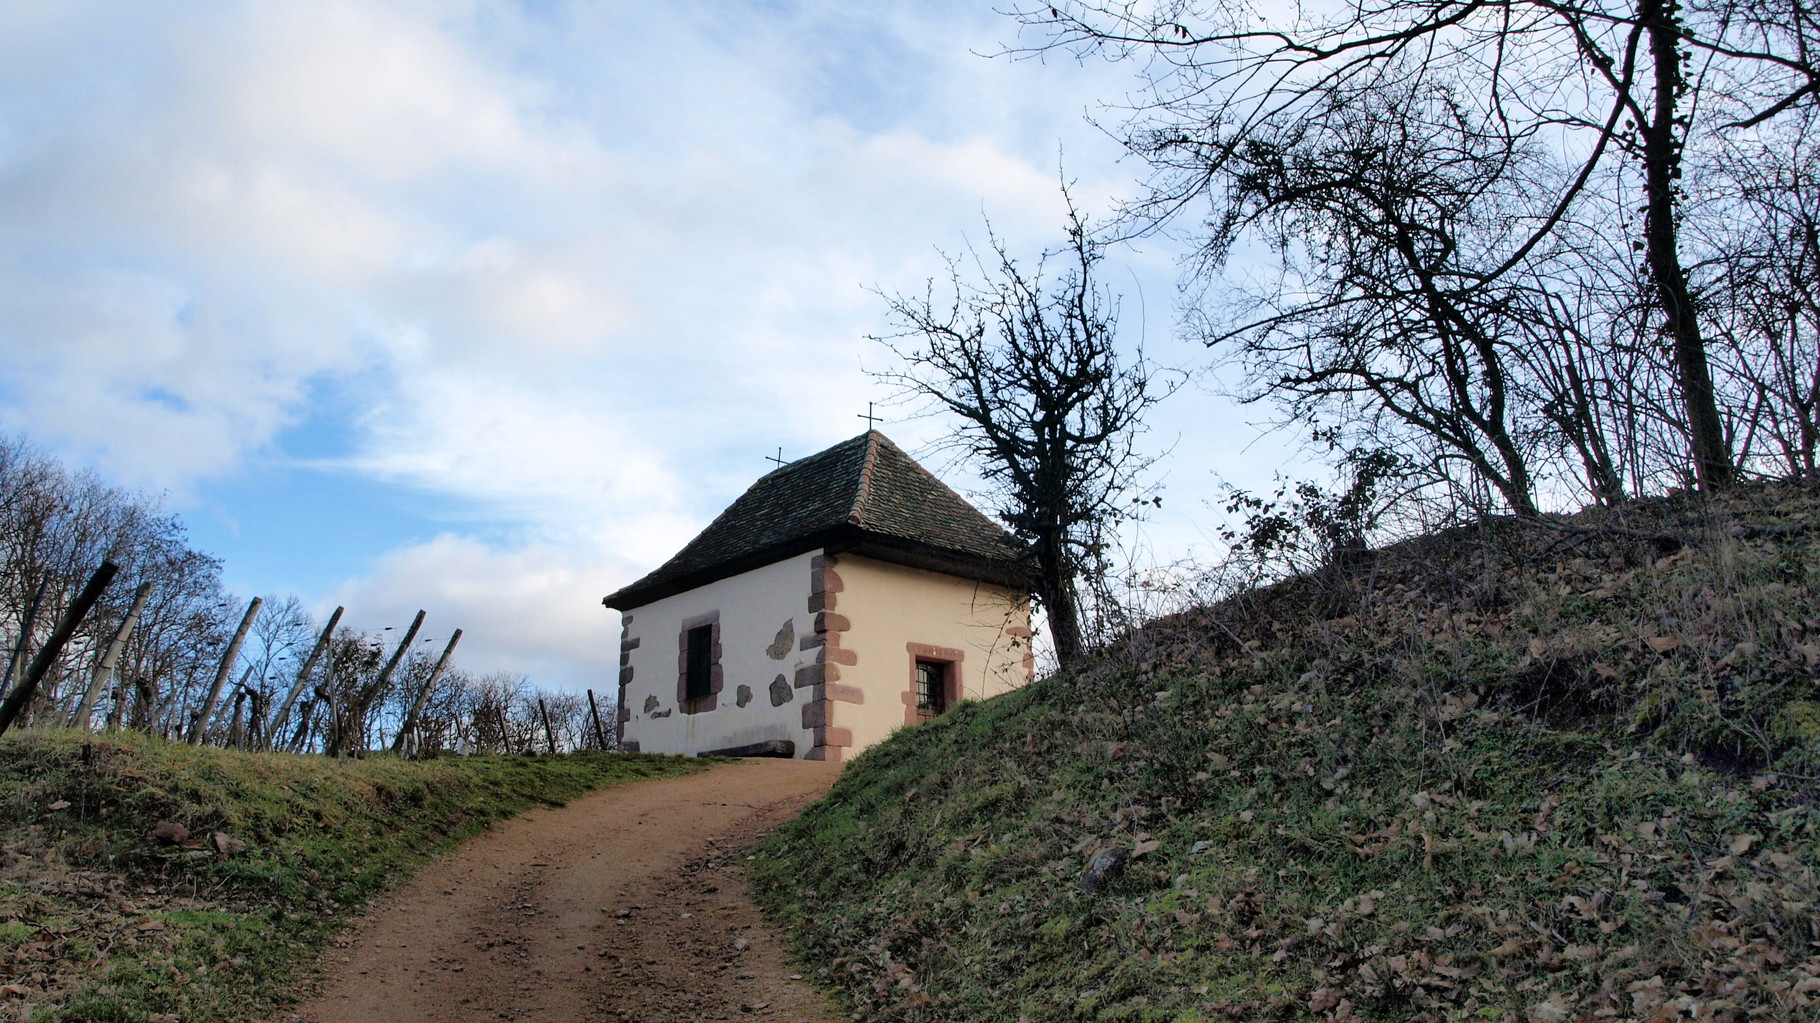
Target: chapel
842 596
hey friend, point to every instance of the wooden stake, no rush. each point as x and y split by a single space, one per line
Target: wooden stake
410 719
600 737
548 732
505 733
404 647
303 674
85 601
358 709
366 696
221 674
105 670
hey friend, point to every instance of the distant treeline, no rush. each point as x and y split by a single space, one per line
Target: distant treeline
290 684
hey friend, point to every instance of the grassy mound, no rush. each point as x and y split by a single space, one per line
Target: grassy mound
1527 772
99 921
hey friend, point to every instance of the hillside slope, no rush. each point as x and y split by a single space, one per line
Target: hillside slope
1559 771
100 921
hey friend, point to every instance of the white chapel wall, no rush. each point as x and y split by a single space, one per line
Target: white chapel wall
762 617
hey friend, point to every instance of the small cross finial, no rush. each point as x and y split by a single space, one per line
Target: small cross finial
778 458
872 421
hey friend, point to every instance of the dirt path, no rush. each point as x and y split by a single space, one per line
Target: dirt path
625 904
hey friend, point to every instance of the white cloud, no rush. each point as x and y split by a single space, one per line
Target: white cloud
573 268
300 186
531 609
547 457
380 89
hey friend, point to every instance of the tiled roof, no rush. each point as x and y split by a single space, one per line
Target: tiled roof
865 495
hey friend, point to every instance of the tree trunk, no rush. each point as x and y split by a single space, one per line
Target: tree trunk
1061 604
1662 152
305 718
237 716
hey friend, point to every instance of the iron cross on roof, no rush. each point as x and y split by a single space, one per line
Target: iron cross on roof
872 421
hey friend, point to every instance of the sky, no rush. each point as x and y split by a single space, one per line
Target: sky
486 308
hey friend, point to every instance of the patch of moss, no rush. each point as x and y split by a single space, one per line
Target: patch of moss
1800 720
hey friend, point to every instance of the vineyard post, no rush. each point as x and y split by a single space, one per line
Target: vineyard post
364 699
600 737
505 732
303 674
548 732
47 655
423 694
79 718
221 674
404 647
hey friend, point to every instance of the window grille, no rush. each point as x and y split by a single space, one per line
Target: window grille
931 695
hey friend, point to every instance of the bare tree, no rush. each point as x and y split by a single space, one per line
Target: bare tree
54 524
1588 114
1047 408
1768 264
173 669
1366 330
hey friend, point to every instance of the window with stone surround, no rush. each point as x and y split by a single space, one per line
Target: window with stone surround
698 676
935 681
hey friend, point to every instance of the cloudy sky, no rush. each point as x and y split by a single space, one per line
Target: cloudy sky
487 307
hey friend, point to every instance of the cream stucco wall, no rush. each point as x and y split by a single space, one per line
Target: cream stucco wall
889 607
753 608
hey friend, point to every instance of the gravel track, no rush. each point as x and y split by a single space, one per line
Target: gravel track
627 904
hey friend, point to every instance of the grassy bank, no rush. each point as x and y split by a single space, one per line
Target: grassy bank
100 921
1519 773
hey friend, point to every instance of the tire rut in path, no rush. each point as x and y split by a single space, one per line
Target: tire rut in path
629 903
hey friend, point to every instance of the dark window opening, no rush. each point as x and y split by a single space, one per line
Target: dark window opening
698 674
931 688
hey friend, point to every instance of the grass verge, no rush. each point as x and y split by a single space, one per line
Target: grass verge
1525 775
100 922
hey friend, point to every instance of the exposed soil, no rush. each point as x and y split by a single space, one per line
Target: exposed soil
626 904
